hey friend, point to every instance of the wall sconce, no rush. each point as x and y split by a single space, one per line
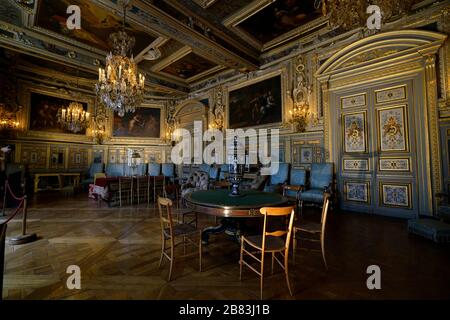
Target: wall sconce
9 120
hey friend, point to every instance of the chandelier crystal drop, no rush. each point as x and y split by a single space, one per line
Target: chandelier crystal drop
120 87
73 118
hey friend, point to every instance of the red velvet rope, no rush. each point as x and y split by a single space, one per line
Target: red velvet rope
15 213
12 194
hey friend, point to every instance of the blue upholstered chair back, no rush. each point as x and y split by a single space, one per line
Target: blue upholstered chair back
205 167
154 169
223 169
95 168
321 175
214 172
298 177
168 169
140 170
115 170
282 175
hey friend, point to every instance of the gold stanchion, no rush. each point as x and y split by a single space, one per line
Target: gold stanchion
24 237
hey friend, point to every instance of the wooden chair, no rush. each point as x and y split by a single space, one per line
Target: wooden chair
315 229
170 231
125 187
269 242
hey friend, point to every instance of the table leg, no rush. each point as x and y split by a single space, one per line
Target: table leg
227 225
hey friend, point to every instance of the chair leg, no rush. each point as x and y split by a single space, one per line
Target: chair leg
171 258
294 245
262 274
200 251
162 251
241 259
273 260
322 245
286 270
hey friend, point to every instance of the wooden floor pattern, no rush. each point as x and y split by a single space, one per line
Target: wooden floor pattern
118 253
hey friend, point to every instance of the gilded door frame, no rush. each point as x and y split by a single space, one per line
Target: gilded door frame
381 58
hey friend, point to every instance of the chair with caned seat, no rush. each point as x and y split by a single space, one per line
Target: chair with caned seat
170 231
315 229
269 242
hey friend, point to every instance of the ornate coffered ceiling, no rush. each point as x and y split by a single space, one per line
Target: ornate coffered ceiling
198 40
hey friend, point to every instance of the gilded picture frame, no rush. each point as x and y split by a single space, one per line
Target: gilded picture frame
257 80
354 126
131 139
392 129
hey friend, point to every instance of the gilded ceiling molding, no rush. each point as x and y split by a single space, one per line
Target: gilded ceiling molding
151 17
204 3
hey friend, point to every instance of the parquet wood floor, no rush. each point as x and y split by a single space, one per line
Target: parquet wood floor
118 253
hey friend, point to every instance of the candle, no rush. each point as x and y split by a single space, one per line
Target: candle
120 71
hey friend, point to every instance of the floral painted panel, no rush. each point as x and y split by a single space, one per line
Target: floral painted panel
356 164
397 164
353 101
357 191
392 94
392 129
355 132
395 195
306 155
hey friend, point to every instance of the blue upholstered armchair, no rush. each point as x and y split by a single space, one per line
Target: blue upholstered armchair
297 182
93 169
205 167
321 180
224 169
115 170
277 180
168 170
154 169
140 170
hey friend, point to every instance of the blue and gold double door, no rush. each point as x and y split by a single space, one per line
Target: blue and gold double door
380 148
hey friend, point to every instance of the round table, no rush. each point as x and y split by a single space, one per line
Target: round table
220 204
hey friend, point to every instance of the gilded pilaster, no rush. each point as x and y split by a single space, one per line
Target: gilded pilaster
433 116
326 122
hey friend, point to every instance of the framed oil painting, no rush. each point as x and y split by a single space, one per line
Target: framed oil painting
392 129
43 113
257 104
355 132
144 123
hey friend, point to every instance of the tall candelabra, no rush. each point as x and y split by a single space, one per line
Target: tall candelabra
235 175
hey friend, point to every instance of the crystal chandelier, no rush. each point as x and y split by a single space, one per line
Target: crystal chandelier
73 118
120 87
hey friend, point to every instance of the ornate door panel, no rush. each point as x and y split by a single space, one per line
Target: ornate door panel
377 160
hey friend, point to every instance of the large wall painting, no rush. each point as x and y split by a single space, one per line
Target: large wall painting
44 111
392 128
355 132
257 104
144 123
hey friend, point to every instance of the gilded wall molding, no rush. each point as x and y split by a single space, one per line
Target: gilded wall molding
433 117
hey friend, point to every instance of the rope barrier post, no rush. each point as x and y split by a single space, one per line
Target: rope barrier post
4 199
2 256
24 237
